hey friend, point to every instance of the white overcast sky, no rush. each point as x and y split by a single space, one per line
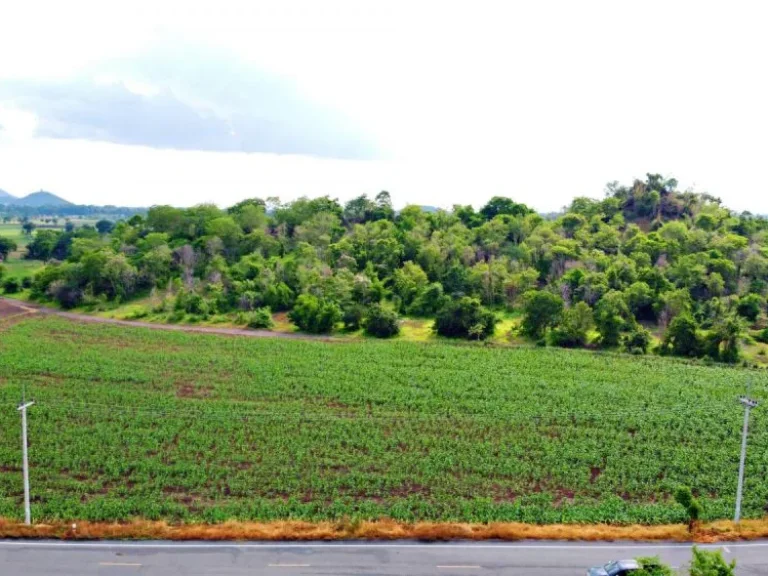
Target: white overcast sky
140 103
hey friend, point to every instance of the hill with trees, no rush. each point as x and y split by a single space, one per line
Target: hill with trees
647 258
35 199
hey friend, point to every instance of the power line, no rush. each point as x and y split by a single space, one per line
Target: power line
235 411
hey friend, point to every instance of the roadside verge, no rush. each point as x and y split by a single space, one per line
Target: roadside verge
720 531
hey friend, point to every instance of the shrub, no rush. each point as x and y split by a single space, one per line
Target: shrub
176 316
381 322
576 323
465 318
66 294
279 297
541 310
429 301
313 315
352 316
11 285
762 336
682 338
26 282
259 319
637 340
684 497
612 315
749 306
653 566
706 563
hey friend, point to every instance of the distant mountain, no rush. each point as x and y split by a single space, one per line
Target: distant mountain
430 209
36 199
5 195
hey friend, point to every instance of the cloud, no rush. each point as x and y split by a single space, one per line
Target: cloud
188 100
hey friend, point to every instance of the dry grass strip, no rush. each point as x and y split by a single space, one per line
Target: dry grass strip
721 531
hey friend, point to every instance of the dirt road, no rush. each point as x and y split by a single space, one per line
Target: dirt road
10 308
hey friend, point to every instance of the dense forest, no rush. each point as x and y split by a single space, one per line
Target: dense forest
608 273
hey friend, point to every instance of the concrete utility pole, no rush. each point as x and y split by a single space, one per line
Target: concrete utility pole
748 405
23 410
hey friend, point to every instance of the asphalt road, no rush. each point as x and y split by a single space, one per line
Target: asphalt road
44 558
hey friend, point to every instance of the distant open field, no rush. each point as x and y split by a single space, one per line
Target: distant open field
16 266
134 423
14 232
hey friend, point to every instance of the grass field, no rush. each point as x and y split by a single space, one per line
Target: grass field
19 268
135 423
14 232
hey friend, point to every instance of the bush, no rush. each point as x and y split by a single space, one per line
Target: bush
541 310
279 297
352 316
381 322
26 282
682 338
612 315
653 567
429 301
706 563
749 306
315 316
572 331
684 497
637 340
259 319
762 336
176 316
67 295
11 285
465 318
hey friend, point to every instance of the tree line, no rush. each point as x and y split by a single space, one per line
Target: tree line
603 273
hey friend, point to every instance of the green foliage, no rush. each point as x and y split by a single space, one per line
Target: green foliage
662 251
261 318
722 341
710 563
381 322
573 330
750 306
314 315
693 508
465 318
637 340
7 245
541 310
352 315
409 282
612 316
11 285
429 301
682 338
105 226
652 566
500 205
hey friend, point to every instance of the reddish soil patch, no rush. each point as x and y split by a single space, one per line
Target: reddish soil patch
192 390
11 309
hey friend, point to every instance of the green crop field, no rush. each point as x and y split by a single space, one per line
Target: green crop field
20 268
14 232
132 422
